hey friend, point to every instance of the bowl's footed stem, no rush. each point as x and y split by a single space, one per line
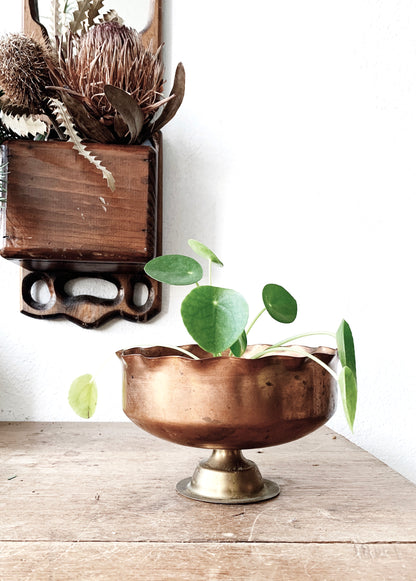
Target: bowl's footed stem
227 478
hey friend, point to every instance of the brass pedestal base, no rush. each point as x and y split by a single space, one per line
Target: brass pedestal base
227 478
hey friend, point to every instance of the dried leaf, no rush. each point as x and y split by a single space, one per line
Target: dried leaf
128 108
178 90
120 126
64 119
79 16
88 126
94 10
112 16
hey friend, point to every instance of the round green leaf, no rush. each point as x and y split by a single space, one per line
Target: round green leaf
174 269
345 345
279 303
204 251
348 387
82 396
239 347
214 317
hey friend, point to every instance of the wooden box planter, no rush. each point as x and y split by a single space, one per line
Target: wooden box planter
61 220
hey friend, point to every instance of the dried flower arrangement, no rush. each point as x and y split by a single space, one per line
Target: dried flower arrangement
4 134
2 182
94 82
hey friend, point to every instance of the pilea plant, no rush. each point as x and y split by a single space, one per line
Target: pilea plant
217 320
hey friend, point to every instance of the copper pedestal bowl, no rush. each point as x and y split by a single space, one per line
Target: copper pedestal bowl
227 404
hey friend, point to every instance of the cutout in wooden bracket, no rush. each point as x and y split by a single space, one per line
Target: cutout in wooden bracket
98 287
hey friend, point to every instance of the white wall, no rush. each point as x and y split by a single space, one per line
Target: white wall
294 157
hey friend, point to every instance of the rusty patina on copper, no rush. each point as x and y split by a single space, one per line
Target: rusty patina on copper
227 403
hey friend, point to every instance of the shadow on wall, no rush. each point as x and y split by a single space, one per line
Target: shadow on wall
19 405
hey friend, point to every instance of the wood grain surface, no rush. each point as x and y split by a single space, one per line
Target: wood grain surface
60 214
97 501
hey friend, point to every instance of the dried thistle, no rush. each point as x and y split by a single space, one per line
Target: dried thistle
112 54
24 71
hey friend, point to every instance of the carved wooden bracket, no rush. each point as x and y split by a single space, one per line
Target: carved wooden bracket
89 311
60 223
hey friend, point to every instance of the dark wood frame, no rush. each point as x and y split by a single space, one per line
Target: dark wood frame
57 268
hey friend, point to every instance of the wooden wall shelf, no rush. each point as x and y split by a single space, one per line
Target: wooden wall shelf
61 220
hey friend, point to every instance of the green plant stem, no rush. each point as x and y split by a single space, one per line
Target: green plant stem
184 351
294 338
302 351
210 272
254 320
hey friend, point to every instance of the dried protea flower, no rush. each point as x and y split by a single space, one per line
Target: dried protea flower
112 54
24 71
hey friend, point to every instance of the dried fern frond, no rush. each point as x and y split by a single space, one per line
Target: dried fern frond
94 11
63 118
5 133
80 16
61 14
23 125
112 16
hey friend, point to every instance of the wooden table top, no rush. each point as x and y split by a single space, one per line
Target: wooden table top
91 501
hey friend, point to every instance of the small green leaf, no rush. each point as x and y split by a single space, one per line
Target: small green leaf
348 387
214 317
82 396
174 269
239 347
204 251
279 303
345 345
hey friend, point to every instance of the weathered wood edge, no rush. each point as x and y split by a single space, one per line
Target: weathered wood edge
192 561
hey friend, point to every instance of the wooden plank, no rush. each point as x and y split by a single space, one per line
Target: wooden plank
193 562
60 214
29 25
113 482
152 34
